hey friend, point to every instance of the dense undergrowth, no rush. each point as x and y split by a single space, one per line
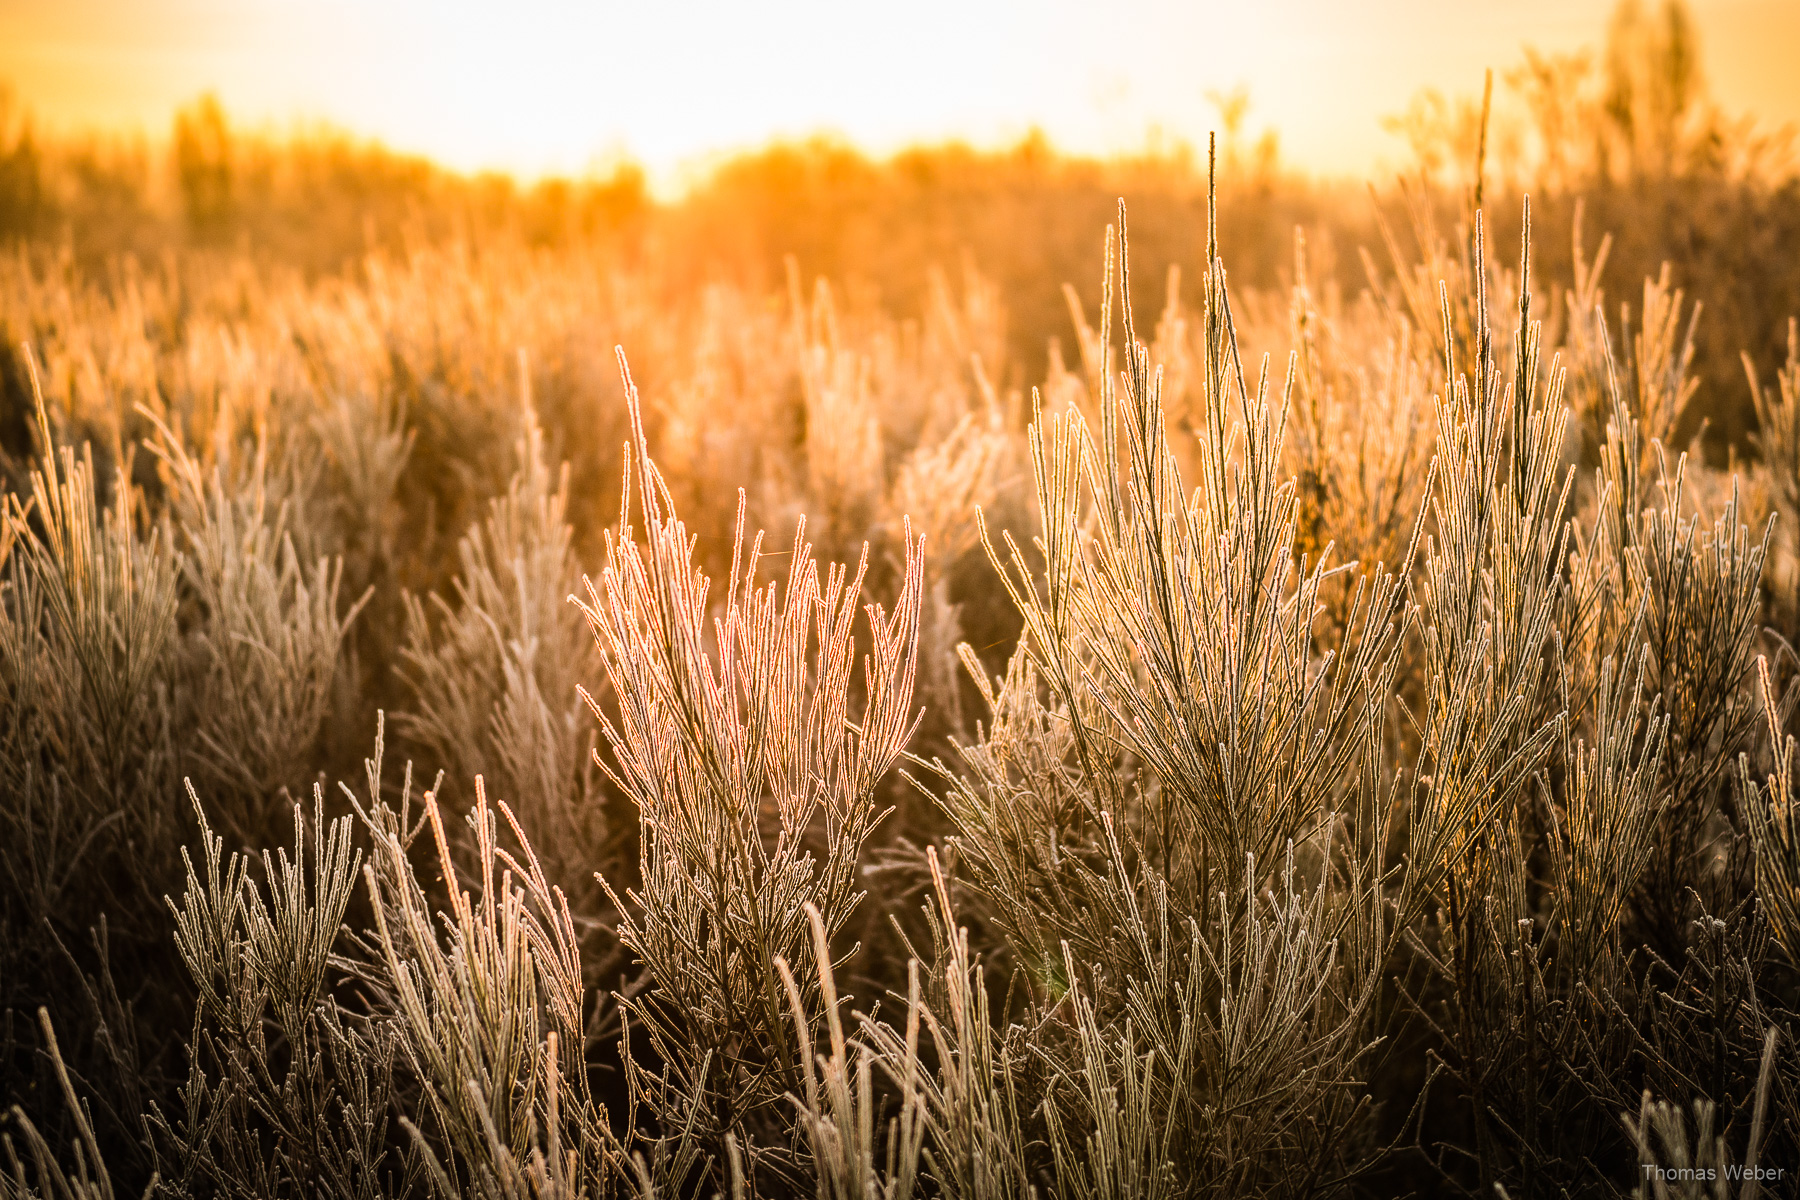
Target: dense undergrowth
1391 787
1336 740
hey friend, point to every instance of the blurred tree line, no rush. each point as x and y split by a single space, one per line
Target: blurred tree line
317 199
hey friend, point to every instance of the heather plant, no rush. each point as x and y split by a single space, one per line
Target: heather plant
970 1106
1699 584
286 1093
1774 833
755 778
268 631
89 668
1174 817
491 1012
1576 944
837 1109
1778 418
106 587
1496 718
496 672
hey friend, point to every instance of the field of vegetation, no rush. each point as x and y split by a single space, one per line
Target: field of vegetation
886 679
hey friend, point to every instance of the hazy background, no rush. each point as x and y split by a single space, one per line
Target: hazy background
540 86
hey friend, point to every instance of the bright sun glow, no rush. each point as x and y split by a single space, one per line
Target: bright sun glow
538 85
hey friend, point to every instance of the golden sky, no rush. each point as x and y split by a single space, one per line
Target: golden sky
542 85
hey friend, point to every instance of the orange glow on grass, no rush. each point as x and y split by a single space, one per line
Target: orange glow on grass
536 85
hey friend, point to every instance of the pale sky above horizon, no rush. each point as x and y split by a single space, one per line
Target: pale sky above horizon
547 85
